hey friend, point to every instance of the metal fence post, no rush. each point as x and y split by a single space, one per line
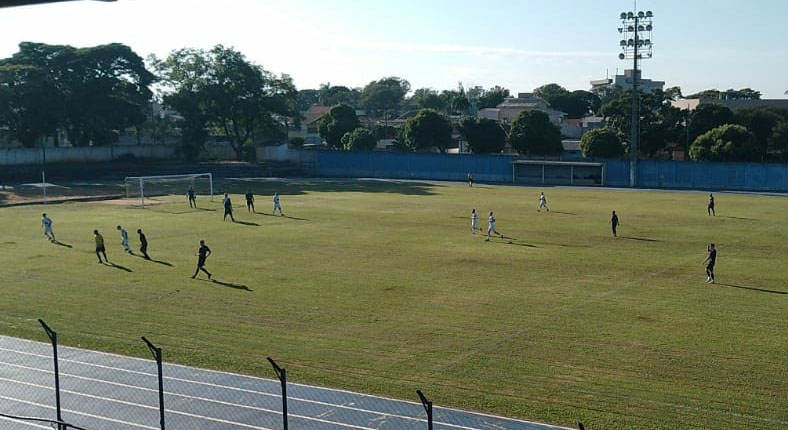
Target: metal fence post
157 355
53 338
282 375
427 407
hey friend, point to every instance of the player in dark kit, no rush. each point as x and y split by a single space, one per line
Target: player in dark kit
614 223
709 261
192 197
249 201
143 244
228 208
710 208
470 179
202 255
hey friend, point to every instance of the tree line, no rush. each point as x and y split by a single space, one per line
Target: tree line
92 94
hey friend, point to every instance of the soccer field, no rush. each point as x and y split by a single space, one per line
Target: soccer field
381 288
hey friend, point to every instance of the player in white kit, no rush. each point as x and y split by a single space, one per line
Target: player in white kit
491 227
543 203
277 205
47 223
124 239
474 221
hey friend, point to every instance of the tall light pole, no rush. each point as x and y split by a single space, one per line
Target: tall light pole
635 47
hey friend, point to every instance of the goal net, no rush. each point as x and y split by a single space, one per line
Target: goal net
140 188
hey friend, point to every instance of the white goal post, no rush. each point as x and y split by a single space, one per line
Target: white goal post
141 187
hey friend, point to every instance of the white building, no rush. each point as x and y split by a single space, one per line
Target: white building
625 82
508 110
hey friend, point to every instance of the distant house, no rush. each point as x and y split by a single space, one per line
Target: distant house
692 104
308 130
625 81
508 110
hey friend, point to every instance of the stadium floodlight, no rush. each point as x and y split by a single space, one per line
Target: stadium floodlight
142 187
636 29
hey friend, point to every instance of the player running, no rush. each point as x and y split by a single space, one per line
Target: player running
202 255
124 239
47 223
277 205
709 262
474 221
491 227
614 223
542 203
228 207
143 244
249 201
100 250
710 208
192 198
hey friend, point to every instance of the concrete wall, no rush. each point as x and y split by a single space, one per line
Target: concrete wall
89 154
285 153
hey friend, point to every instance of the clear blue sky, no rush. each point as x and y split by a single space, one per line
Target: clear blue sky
519 44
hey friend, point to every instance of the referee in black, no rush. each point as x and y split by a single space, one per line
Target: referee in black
143 244
202 255
710 261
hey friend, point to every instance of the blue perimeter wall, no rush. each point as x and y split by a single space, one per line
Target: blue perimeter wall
498 168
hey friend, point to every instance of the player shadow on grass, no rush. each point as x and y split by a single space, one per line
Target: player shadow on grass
254 224
754 289
643 239
228 284
57 242
736 217
117 266
282 216
163 263
563 213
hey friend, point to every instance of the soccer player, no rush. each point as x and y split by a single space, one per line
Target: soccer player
474 221
192 198
542 203
709 261
228 207
143 244
277 205
470 179
249 201
124 239
47 223
202 255
491 227
614 223
710 208
100 250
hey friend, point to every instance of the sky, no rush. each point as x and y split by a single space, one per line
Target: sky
518 44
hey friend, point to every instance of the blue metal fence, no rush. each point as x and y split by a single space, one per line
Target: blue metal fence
498 168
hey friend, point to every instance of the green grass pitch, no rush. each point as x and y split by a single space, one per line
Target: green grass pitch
381 288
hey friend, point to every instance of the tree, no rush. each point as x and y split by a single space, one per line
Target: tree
708 116
660 122
576 104
428 129
533 134
550 92
305 99
457 102
729 142
484 136
729 94
427 98
221 89
333 95
385 95
674 93
601 142
760 121
339 120
607 93
778 141
359 139
493 97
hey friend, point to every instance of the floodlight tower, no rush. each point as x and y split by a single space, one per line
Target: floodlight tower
636 45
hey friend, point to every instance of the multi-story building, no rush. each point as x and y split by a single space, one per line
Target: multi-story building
625 82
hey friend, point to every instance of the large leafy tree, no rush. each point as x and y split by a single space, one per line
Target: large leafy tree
90 92
484 136
339 120
532 133
384 96
601 142
660 122
550 92
729 142
706 117
428 129
457 102
305 99
576 104
330 95
778 141
427 98
760 121
359 139
221 89
729 94
493 97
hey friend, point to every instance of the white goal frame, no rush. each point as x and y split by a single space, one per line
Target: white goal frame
140 182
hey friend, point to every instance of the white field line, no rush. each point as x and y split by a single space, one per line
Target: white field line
41 426
79 413
263 393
